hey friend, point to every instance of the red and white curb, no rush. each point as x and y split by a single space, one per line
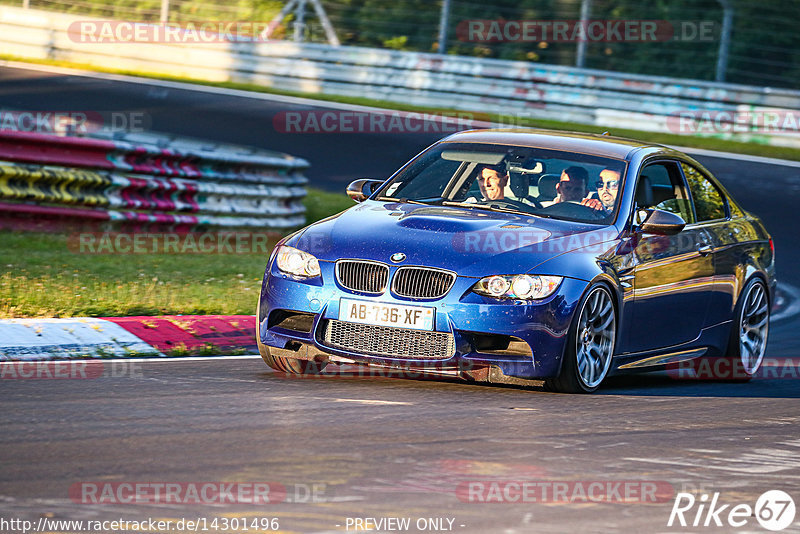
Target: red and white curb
174 335
114 337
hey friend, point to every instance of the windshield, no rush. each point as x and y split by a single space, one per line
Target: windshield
546 183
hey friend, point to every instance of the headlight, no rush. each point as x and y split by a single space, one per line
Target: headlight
521 286
293 261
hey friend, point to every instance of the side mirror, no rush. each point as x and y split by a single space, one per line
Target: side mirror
660 222
359 190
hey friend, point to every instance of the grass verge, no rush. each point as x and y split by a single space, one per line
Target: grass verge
707 143
43 276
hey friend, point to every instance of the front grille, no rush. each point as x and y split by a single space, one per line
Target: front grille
422 282
362 276
388 341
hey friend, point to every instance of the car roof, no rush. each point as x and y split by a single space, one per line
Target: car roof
584 143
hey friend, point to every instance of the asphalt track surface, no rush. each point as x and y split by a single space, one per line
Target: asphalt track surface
382 447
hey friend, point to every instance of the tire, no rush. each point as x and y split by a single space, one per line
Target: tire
590 344
748 339
293 366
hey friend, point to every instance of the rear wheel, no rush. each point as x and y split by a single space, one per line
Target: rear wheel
748 341
590 344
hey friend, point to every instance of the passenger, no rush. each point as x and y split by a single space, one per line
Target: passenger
607 189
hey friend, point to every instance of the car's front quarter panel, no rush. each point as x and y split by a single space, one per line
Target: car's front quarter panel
585 256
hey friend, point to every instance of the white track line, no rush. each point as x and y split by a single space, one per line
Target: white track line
300 101
740 157
169 359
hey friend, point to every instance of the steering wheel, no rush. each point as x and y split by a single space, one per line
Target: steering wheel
516 204
598 214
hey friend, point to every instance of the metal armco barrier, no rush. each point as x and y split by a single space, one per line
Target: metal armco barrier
516 88
135 181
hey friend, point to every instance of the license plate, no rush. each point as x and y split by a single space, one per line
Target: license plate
382 314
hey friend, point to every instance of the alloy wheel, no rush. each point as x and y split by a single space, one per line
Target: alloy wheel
595 337
753 328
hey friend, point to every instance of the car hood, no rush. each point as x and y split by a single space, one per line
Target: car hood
469 241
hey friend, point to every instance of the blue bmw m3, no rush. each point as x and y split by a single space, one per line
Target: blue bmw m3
511 256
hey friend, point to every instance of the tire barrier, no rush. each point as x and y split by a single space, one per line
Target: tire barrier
516 88
136 180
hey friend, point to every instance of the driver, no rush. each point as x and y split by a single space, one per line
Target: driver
571 187
492 182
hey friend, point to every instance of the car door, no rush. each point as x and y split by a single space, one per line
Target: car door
673 276
727 229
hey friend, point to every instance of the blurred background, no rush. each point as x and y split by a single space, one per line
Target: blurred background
758 41
266 126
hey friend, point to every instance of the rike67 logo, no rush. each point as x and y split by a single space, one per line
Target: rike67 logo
774 510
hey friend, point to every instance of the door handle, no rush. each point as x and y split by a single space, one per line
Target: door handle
704 249
626 280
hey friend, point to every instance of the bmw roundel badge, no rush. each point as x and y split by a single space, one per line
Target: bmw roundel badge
397 257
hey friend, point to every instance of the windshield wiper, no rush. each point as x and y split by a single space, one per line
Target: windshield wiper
488 207
403 201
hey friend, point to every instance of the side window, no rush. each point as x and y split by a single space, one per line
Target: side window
666 190
708 201
736 211
428 180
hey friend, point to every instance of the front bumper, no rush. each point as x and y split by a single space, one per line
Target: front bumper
537 329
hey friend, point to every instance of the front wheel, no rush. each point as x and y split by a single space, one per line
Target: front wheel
590 344
293 366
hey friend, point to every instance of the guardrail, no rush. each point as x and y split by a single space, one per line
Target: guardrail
614 100
137 180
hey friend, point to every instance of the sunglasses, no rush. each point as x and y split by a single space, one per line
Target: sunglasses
611 184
